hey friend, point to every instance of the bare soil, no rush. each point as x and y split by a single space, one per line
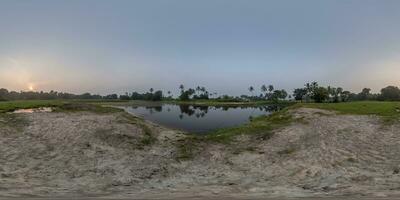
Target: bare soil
83 154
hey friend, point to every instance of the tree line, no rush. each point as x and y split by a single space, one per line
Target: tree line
313 92
310 92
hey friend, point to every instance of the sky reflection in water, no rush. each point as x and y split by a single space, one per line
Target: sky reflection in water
199 119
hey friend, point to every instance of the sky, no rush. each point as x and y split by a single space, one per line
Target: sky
114 46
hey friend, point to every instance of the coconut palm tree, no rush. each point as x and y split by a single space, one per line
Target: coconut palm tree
264 89
308 87
270 88
198 89
251 89
169 94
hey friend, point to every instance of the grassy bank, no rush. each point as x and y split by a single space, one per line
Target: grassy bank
9 106
261 127
384 109
59 105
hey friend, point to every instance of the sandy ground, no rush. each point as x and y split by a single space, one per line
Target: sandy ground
84 154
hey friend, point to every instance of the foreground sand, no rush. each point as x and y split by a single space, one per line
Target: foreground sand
85 154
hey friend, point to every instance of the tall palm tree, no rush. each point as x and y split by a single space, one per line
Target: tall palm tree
151 90
314 85
181 87
270 88
264 89
198 89
251 89
308 88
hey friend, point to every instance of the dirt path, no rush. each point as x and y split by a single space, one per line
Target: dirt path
108 155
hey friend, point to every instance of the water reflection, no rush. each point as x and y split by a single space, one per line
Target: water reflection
200 118
201 111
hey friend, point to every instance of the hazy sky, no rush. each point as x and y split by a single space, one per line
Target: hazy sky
225 45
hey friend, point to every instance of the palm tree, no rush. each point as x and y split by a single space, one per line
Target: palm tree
264 89
308 87
270 88
314 85
181 87
151 90
251 89
198 89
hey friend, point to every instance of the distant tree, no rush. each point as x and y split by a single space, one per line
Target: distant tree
308 88
3 94
264 90
337 94
332 94
346 96
110 96
364 94
270 91
320 94
279 94
157 96
181 87
151 90
390 93
299 93
169 94
251 89
198 89
311 88
185 95
124 97
314 85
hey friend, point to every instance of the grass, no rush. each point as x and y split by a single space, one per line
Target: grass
9 106
389 111
77 107
58 105
260 126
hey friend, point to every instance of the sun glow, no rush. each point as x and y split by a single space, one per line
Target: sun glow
30 87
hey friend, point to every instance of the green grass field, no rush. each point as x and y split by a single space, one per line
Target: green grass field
60 105
385 109
9 106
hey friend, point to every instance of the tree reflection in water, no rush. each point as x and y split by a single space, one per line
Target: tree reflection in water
201 118
200 111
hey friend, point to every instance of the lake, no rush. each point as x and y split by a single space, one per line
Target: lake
199 119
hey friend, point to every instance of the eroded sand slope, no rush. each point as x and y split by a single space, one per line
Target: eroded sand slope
81 154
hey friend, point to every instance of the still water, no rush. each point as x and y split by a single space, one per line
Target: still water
199 119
